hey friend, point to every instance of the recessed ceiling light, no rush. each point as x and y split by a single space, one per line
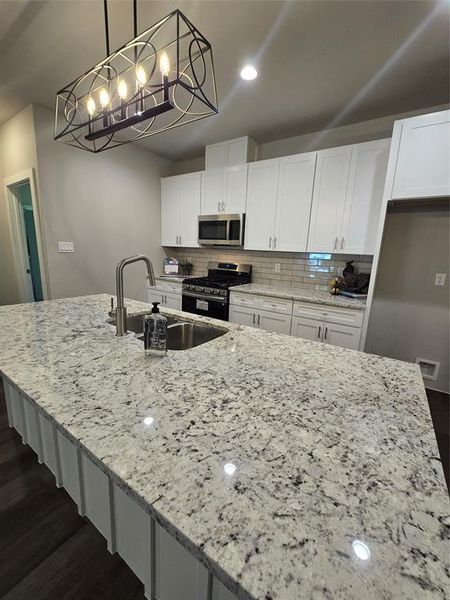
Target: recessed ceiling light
249 72
229 468
361 550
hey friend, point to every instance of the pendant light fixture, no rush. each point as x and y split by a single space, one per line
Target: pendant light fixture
163 78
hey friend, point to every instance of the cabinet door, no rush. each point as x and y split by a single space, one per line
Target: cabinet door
154 295
274 322
235 189
189 188
423 157
236 152
173 301
295 187
261 204
310 329
215 156
330 188
169 211
341 335
242 316
364 197
212 191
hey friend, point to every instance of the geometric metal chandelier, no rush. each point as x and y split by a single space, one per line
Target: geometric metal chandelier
163 78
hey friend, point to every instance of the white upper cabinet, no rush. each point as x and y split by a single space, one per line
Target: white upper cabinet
180 207
224 190
364 197
347 198
330 189
261 204
422 157
231 153
295 186
279 202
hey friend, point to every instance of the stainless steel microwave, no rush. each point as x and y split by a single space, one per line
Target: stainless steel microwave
221 230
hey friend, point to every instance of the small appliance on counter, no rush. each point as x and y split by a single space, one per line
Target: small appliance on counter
171 267
210 296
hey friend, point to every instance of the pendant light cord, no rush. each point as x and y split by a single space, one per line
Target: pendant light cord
105 8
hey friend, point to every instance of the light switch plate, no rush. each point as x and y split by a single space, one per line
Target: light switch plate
439 279
65 247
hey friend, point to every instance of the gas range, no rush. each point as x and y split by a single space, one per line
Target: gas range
209 296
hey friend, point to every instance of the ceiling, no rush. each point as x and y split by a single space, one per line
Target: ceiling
322 62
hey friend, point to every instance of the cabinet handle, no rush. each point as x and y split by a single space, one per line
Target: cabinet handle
318 333
253 318
180 240
274 243
342 244
325 335
259 319
270 242
218 206
335 243
223 206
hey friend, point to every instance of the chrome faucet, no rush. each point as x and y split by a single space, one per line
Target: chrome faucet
121 309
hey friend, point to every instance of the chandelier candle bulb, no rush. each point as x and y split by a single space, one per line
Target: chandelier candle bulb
104 101
164 67
90 106
122 90
141 77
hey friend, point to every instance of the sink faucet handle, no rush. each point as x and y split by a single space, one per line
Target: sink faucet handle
112 312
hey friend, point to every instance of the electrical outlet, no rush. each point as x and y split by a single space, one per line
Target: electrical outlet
439 279
277 267
65 247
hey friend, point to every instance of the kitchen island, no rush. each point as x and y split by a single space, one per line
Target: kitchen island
286 468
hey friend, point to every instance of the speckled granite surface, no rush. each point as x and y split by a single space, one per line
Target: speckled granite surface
314 296
330 446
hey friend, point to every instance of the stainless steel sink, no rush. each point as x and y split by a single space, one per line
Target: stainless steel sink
181 335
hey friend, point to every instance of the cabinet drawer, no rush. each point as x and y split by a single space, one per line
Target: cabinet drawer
167 286
332 314
179 576
268 303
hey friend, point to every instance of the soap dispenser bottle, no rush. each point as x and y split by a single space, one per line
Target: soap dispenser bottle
155 332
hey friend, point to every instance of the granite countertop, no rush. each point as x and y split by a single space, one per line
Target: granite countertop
303 294
330 446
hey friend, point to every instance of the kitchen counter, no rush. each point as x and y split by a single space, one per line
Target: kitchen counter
330 446
302 294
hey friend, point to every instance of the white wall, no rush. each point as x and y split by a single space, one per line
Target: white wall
107 204
17 153
327 138
410 315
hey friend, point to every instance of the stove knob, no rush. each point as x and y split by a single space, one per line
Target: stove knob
217 291
202 289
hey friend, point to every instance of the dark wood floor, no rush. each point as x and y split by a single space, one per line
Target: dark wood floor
47 551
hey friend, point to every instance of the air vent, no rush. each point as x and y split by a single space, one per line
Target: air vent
429 368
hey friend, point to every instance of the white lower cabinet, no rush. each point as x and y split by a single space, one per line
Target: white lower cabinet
167 294
242 316
32 428
97 502
178 575
309 329
269 321
133 538
16 410
220 592
70 465
50 448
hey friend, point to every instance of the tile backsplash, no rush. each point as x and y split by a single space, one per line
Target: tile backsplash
304 269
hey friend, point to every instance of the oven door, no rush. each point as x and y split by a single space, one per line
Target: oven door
206 306
221 230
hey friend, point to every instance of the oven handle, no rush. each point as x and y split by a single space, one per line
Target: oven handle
220 299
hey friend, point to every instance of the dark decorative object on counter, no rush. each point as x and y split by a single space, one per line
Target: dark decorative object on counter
349 269
186 267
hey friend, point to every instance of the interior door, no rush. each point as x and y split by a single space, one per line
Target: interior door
169 211
261 204
212 192
342 335
189 189
364 197
310 329
294 198
235 189
330 188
